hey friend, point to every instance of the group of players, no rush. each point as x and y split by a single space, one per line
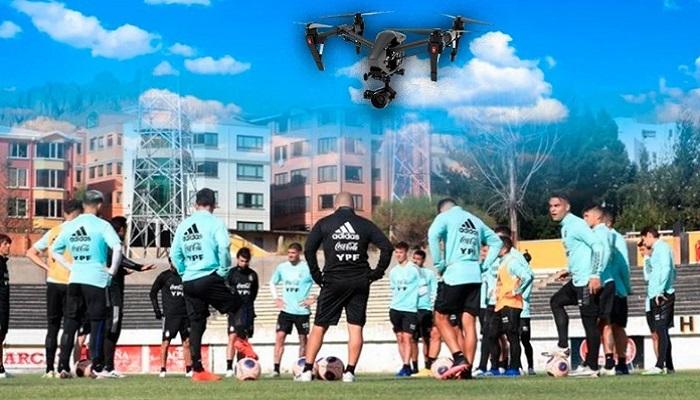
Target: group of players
480 275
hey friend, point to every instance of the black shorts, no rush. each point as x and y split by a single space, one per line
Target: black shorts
286 322
662 315
424 326
577 295
242 321
4 309
86 301
403 321
174 325
510 320
210 290
619 311
56 294
606 301
338 295
458 299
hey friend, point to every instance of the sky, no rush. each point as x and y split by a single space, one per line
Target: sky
536 60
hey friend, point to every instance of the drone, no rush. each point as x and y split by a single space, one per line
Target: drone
388 50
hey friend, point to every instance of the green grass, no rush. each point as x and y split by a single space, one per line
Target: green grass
678 386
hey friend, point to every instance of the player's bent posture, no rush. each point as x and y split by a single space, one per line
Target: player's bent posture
660 296
56 283
426 330
345 279
585 265
463 234
241 323
294 303
620 269
174 316
512 279
5 243
403 312
606 298
200 253
88 239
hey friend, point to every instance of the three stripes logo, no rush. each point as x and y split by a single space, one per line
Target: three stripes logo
467 227
345 232
192 233
80 235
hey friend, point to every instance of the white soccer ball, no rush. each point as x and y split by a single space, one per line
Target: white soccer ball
248 369
314 371
83 368
298 366
557 367
330 368
440 366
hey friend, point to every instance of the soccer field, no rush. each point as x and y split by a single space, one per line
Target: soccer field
678 386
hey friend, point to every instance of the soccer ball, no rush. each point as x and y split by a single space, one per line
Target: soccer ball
298 366
557 367
248 369
330 368
83 368
440 366
314 371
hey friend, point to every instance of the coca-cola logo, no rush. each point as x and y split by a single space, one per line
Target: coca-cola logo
345 246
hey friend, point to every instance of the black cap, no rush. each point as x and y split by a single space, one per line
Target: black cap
206 197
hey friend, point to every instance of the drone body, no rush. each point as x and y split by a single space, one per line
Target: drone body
388 49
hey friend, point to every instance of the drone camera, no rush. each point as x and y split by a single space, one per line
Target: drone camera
380 98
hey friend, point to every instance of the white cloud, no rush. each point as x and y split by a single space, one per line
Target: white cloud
164 68
183 2
671 5
225 65
181 50
9 29
196 109
693 71
551 62
495 85
85 32
634 98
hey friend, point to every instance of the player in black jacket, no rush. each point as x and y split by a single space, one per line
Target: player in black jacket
115 310
345 279
243 280
5 243
174 316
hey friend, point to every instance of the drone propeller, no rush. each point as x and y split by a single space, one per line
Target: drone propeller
313 25
365 14
427 31
467 19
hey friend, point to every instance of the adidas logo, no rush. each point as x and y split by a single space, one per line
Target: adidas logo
345 232
80 235
467 227
192 233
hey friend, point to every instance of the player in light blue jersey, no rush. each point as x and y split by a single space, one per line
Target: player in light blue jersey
426 329
294 303
405 283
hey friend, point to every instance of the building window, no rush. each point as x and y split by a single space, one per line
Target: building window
357 202
118 197
327 145
78 148
119 168
376 174
299 176
78 176
110 141
300 148
100 171
50 178
93 144
326 201
249 226
328 173
209 169
281 178
206 139
280 154
17 177
17 208
299 205
250 200
48 208
50 150
250 172
353 146
18 150
249 143
376 146
119 140
353 174
376 200
101 142
109 168
92 173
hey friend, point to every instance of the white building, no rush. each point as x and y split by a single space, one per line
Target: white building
656 139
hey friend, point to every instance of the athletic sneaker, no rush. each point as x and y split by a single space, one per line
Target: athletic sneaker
49 375
101 375
607 372
403 373
478 373
424 373
189 374
273 374
655 371
622 370
114 374
308 376
161 374
670 371
585 372
531 372
229 373
65 375
204 376
492 372
3 375
512 372
348 377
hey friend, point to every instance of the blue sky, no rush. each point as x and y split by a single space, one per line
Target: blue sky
590 53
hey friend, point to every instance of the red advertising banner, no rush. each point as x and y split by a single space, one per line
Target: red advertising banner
24 358
176 358
128 359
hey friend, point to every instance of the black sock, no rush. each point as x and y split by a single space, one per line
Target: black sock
414 365
277 368
429 362
2 369
609 361
621 361
162 369
308 367
350 369
229 365
458 357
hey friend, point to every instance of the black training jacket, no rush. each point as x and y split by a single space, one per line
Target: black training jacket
169 284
